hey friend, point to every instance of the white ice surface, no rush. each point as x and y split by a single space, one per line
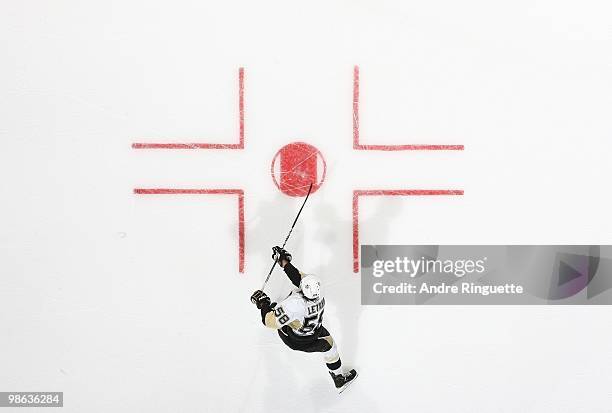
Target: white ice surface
134 304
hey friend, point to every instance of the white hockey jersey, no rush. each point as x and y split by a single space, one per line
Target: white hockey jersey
302 315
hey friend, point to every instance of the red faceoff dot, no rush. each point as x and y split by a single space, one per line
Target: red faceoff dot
295 166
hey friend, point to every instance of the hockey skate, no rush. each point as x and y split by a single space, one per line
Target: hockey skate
342 381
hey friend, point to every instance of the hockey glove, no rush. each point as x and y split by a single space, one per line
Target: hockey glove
279 254
260 299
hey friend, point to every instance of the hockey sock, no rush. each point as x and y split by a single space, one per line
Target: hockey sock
335 367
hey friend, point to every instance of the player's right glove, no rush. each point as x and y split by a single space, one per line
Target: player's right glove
279 254
260 299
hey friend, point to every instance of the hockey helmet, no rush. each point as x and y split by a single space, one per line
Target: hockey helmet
311 286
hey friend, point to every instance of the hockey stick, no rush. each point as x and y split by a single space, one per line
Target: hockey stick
288 235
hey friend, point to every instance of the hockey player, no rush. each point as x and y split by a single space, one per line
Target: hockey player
299 318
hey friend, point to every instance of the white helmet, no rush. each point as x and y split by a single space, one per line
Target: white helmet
311 287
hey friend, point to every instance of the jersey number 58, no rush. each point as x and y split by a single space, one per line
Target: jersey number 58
280 315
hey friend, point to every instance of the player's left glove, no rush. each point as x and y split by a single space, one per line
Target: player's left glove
279 255
260 299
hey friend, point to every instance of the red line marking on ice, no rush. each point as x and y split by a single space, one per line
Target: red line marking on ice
239 192
387 192
409 147
239 145
174 191
186 146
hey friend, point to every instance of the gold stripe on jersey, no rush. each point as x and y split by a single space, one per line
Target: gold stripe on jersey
295 325
270 321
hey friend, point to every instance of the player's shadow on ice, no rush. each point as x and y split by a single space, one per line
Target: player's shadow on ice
269 226
342 286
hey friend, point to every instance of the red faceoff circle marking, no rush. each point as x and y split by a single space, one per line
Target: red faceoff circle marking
295 166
